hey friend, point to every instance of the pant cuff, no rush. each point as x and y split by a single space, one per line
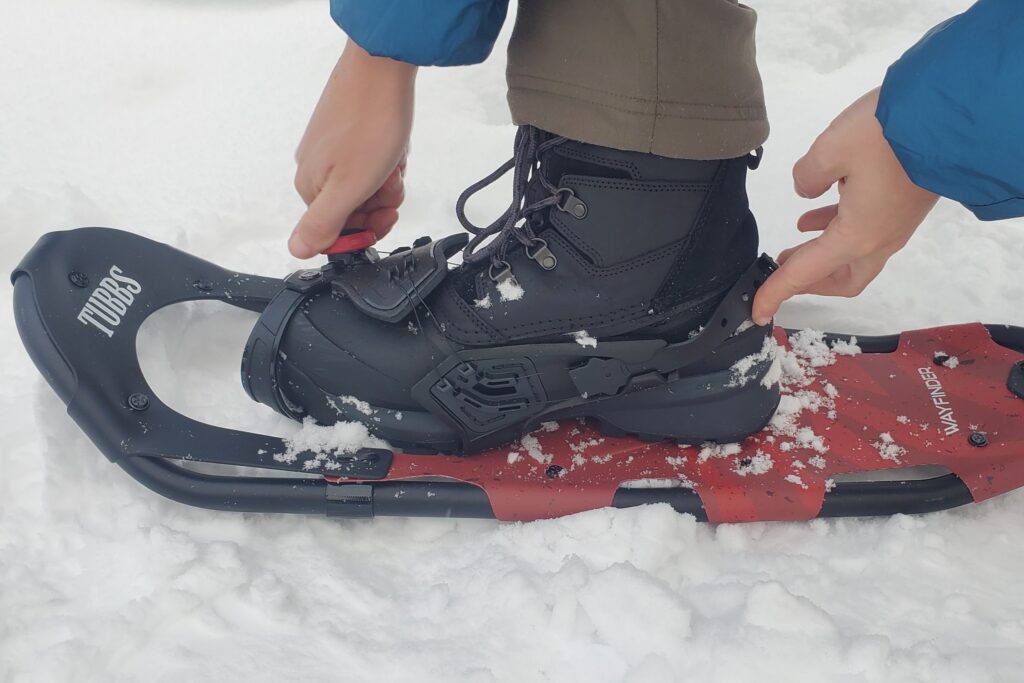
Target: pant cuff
683 131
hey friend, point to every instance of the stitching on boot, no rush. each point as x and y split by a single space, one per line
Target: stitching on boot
638 185
652 256
482 333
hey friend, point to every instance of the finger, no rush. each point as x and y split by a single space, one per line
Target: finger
305 187
807 265
818 170
357 220
381 221
390 194
786 253
850 280
817 219
322 222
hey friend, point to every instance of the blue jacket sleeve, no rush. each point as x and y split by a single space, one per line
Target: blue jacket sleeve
423 32
953 109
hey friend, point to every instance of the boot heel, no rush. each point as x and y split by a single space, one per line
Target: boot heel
692 410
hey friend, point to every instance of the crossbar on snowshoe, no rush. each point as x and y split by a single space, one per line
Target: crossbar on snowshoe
81 296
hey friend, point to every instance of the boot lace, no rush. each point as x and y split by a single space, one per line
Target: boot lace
514 225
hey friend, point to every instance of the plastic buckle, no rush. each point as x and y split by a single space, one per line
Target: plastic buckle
352 241
600 377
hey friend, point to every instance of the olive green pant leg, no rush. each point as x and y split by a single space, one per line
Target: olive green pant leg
677 78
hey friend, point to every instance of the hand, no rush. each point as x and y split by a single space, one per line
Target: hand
878 211
351 160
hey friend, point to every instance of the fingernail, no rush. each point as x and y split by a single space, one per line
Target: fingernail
299 248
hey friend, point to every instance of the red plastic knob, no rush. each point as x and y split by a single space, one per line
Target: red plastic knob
352 241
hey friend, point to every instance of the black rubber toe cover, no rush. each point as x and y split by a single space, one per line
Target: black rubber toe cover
331 345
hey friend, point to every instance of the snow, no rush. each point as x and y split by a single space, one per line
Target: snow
846 347
509 289
888 448
759 463
716 450
360 405
582 338
325 443
532 446
743 370
682 482
178 119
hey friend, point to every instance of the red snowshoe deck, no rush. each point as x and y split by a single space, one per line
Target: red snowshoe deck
915 422
891 410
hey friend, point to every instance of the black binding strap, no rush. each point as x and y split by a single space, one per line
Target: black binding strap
608 376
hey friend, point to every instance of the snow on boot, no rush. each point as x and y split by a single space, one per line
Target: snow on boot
616 286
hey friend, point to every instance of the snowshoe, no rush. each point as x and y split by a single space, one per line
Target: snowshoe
908 423
616 286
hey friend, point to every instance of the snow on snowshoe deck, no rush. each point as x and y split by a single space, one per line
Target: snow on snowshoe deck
861 413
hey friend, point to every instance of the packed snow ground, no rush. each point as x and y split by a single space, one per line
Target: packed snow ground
177 119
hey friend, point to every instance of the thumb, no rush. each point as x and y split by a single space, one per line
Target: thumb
819 169
323 221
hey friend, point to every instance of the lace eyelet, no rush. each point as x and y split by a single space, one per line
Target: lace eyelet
571 204
539 252
505 273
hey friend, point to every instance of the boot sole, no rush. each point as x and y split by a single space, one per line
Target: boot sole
710 407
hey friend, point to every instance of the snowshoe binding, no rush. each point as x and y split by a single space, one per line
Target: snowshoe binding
616 286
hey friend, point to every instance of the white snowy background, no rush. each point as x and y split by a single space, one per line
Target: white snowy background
177 119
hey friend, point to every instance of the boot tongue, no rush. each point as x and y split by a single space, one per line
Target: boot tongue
601 190
578 158
572 158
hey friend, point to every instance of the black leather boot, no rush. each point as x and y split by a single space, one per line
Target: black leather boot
616 286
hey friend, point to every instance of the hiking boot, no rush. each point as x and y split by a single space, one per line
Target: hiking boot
617 286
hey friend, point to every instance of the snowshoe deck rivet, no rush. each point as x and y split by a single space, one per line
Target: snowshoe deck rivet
554 471
78 279
138 402
308 275
977 439
203 285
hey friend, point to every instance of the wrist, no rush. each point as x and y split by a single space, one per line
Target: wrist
362 62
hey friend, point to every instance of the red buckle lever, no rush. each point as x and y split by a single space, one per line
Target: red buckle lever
349 242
